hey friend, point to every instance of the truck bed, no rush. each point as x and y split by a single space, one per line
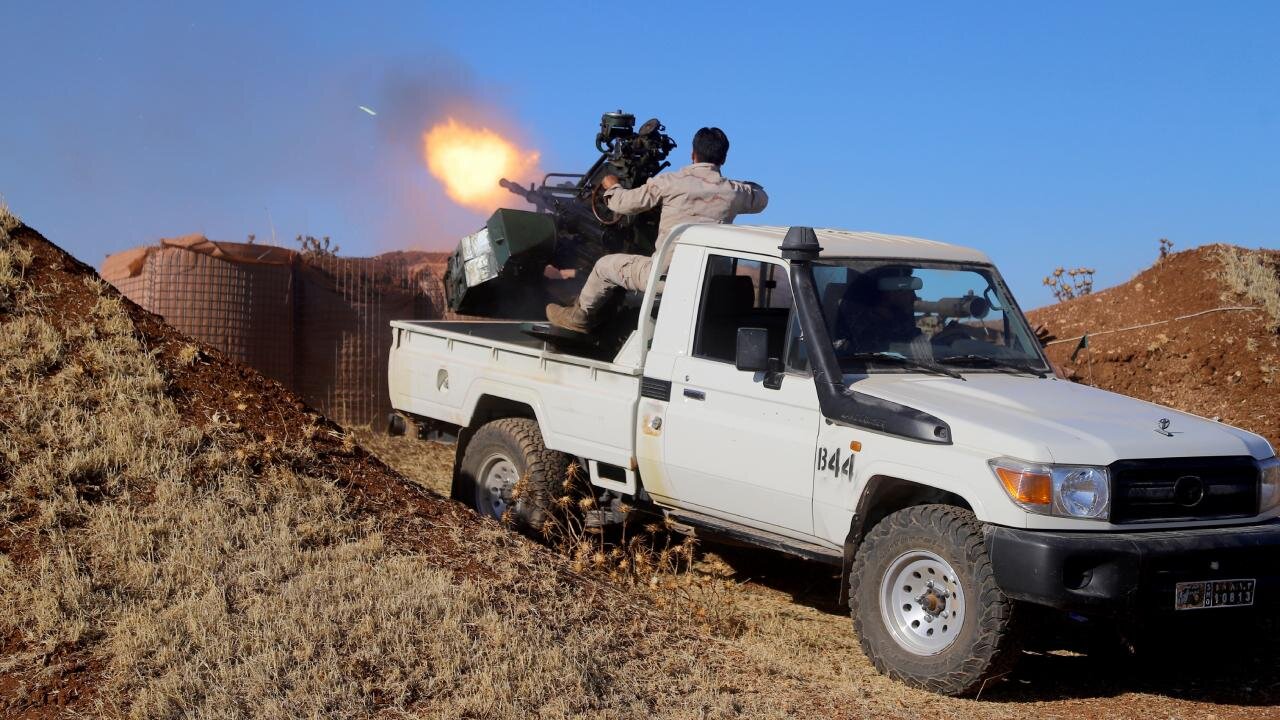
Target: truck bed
445 370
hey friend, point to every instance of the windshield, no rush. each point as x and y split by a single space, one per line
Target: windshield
880 312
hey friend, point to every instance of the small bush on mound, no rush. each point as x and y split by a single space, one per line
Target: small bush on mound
1078 283
1253 276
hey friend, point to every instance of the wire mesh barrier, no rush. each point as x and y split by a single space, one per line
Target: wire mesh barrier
316 322
344 307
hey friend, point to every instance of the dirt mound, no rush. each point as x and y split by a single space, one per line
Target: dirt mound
1176 335
180 536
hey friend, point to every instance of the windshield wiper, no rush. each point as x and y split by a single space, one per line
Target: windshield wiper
900 360
992 362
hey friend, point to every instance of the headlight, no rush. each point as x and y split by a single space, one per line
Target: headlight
1075 491
1270 472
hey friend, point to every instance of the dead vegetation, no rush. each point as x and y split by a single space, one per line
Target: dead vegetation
645 556
1077 283
8 221
160 563
13 260
174 545
1253 276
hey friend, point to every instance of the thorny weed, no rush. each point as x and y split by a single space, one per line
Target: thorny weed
1166 247
1078 282
643 553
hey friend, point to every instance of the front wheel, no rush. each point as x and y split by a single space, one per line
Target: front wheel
925 603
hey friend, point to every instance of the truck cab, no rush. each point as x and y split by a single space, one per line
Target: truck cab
877 402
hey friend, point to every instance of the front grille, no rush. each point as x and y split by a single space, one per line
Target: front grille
1195 488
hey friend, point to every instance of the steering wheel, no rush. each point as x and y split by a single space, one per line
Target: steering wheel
954 331
596 207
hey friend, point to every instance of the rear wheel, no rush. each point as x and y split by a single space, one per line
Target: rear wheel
925 603
508 474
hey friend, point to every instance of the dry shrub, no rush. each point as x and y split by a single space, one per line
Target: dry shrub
8 221
1253 275
14 261
1077 283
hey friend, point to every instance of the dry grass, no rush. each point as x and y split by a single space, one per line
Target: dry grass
780 615
14 261
209 575
648 557
8 221
212 575
1253 275
428 464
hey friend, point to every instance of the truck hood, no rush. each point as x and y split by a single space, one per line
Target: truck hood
1053 420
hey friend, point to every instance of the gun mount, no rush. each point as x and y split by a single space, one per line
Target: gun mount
498 270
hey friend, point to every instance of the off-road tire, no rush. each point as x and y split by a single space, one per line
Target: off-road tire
519 441
986 645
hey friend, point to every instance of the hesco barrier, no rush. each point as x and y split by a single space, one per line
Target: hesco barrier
316 323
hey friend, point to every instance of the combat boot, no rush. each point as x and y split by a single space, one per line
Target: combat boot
571 317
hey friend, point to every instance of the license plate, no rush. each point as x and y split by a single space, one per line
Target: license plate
1213 594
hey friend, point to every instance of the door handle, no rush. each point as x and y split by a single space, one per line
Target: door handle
694 394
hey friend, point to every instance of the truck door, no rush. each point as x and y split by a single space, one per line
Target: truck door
733 447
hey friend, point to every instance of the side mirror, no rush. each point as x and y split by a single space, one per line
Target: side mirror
753 349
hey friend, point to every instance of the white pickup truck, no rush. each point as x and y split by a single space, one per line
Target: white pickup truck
876 402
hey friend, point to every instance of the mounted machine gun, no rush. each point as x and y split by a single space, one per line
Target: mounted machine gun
498 271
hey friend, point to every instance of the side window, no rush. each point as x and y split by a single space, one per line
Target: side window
738 293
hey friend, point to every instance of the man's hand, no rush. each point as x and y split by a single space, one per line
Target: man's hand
551 272
1043 334
609 182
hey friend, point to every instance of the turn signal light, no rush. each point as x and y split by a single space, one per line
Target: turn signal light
1026 488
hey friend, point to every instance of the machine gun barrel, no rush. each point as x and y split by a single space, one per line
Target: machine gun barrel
564 203
529 194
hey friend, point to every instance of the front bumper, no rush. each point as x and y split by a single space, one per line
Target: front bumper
1122 573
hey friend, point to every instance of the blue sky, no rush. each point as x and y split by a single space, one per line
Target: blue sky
1045 134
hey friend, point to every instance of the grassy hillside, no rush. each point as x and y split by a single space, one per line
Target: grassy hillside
179 537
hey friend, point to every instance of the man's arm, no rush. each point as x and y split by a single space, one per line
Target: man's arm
635 200
749 198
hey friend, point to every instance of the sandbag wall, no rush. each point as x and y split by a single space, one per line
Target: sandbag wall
318 324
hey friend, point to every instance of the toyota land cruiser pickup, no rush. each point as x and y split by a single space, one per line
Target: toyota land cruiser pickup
872 401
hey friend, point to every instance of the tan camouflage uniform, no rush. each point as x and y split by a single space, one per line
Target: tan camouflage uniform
696 193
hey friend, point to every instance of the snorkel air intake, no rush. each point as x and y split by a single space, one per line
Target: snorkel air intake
837 402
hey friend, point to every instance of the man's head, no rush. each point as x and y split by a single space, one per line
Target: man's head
710 145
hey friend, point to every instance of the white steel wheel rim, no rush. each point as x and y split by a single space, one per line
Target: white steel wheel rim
498 478
922 602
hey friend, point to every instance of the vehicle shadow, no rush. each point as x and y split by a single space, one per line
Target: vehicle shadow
1230 661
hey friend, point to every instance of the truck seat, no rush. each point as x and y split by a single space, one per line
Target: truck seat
728 305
